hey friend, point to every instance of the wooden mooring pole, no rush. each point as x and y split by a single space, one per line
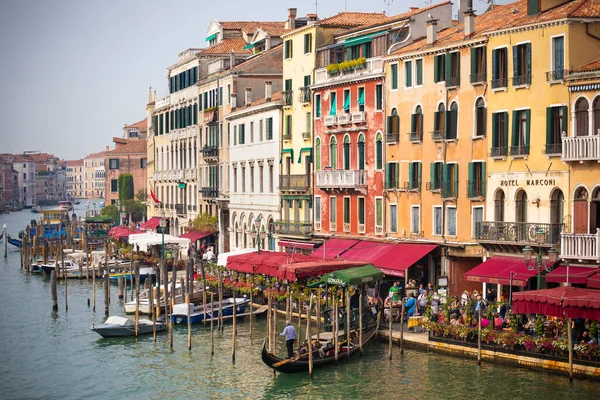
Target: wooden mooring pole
53 291
120 287
391 316
360 322
234 333
62 260
137 300
309 338
479 336
212 329
106 283
402 328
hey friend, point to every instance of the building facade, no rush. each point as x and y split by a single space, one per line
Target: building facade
9 182
74 179
94 175
128 157
26 172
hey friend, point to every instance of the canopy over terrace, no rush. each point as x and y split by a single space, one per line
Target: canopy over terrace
145 240
563 301
285 266
121 232
352 276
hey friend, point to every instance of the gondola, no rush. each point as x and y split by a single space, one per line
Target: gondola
301 365
14 241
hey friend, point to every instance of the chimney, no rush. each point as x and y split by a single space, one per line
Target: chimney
268 43
155 95
231 59
107 148
150 95
247 96
291 21
233 100
311 18
413 9
431 30
469 21
463 7
268 90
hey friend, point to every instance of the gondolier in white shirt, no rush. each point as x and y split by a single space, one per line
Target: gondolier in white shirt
290 337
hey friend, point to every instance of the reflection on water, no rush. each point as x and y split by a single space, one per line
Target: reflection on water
52 355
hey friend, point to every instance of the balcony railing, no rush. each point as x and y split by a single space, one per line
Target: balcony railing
287 97
449 190
294 182
305 135
210 192
343 118
416 137
180 209
341 179
476 188
330 120
287 136
516 232
499 151
304 95
392 137
434 185
293 228
581 148
521 80
437 135
210 151
580 246
557 75
453 81
479 77
359 116
553 149
519 150
412 185
372 65
499 83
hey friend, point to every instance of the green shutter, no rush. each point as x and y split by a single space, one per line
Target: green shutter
473 61
528 68
418 165
565 120
455 180
495 133
347 101
361 97
436 69
448 66
515 130
457 56
379 150
379 211
505 133
389 123
532 7
528 128
483 179
445 179
408 73
549 125
397 174
470 180
394 71
453 124
419 65
484 121
495 69
388 175
221 96
413 122
432 175
515 53
436 121
318 106
333 109
411 168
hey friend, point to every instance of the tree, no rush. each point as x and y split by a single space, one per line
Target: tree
204 223
112 211
141 195
125 187
136 209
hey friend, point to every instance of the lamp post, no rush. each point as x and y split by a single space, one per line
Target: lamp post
5 241
539 261
258 236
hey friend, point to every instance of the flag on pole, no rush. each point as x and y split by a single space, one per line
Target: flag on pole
154 198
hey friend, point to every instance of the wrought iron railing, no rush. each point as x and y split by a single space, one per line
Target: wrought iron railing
478 77
553 148
557 75
180 209
453 81
298 228
210 192
476 188
416 137
412 185
449 190
392 137
287 97
516 232
434 185
304 95
521 80
210 151
499 83
294 182
519 150
437 135
499 151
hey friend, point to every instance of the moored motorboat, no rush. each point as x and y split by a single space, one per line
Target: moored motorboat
197 313
144 307
120 326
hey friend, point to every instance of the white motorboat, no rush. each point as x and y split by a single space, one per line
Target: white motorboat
120 326
179 298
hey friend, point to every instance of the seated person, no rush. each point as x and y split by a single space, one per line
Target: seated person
498 322
317 346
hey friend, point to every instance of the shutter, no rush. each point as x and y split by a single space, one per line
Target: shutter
397 173
494 65
515 53
200 102
445 179
565 120
396 126
483 179
483 59
549 126
457 57
411 168
483 121
580 216
455 180
413 122
388 176
528 128
453 124
495 133
505 133
473 62
436 121
418 165
448 66
389 123
436 69
515 130
432 184
408 73
471 180
528 70
221 96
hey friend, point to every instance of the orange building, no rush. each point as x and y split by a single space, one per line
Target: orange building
128 157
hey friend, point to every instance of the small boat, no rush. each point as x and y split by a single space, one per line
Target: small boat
68 269
77 202
35 209
179 298
145 273
300 364
66 205
14 241
212 310
120 326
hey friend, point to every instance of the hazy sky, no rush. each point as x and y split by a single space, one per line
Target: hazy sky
73 72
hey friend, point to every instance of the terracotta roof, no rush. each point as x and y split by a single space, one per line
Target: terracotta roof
227 46
274 97
589 67
100 154
249 27
74 163
22 158
142 125
253 65
128 146
353 19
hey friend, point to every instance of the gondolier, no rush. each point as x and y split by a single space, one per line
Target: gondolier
290 337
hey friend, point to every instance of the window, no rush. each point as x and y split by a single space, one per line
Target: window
520 133
318 154
346 152
361 210
415 220
416 125
450 181
361 99
113 163
556 123
414 176
287 49
393 218
318 209
480 114
251 178
269 127
270 178
235 180
332 210
439 68
288 127
478 74
318 105
333 153
499 68
287 93
452 122
392 177
435 174
242 132
346 210
439 126
437 220
229 94
558 59
477 218
451 221
114 185
346 101
379 151
332 103
476 179
394 75
393 127
308 125
499 134
522 64
243 173
143 162
379 212
260 130
378 97
419 72
251 131
307 43
361 152
453 69
407 74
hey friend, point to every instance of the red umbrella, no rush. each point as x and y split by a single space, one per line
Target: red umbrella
563 301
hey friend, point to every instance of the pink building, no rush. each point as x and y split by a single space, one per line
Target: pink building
128 157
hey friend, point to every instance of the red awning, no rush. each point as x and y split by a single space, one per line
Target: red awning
121 232
563 301
151 224
296 245
391 259
334 247
575 274
293 272
594 281
498 270
193 235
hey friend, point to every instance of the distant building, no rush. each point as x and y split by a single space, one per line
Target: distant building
75 185
9 183
135 131
128 157
25 168
94 175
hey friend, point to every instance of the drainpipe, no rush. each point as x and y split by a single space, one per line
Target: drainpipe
444 144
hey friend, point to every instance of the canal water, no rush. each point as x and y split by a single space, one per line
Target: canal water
47 355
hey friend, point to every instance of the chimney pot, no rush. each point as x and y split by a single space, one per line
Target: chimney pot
268 90
248 96
291 21
431 30
231 59
233 100
469 22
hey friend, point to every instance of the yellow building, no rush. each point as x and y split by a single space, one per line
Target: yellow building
299 61
581 151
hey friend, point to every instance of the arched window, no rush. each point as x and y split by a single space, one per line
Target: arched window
379 151
438 122
581 210
557 213
452 122
417 124
499 206
271 231
581 114
480 114
521 206
596 104
318 154
347 152
361 152
333 153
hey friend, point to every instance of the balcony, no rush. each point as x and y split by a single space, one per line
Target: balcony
343 119
581 148
499 152
434 186
453 81
413 186
330 120
480 77
392 138
341 179
553 149
437 136
557 75
304 95
520 233
175 175
180 209
449 190
287 97
371 66
519 151
306 135
521 80
499 83
579 246
294 182
359 117
416 137
476 189
293 228
210 192
210 151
